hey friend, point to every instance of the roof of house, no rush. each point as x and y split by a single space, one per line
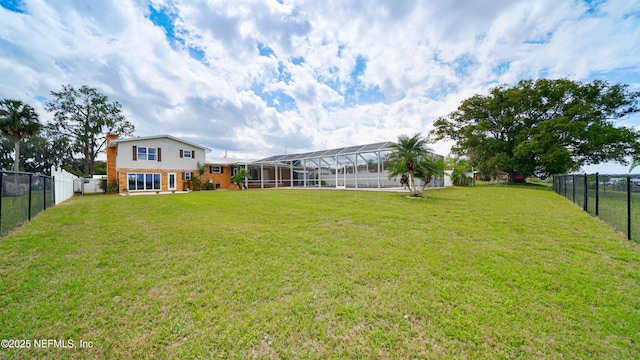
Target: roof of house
348 150
115 142
224 161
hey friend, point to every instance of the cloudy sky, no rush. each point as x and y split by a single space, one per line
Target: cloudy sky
263 77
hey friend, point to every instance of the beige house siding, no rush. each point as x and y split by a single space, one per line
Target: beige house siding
123 159
170 151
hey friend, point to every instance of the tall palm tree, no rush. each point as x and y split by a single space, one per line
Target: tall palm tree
405 157
18 121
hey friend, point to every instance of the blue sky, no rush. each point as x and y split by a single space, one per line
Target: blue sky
255 77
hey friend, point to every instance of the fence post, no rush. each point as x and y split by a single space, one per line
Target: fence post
597 194
573 185
586 199
44 192
30 181
1 176
629 207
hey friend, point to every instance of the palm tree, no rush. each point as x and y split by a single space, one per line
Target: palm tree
429 167
201 170
240 177
634 164
405 157
17 121
459 175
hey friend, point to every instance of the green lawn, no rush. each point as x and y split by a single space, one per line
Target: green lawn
489 272
613 209
14 210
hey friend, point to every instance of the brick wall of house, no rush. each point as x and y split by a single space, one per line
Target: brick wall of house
181 185
223 179
111 160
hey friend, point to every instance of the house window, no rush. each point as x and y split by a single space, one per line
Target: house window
215 169
142 153
147 153
186 176
151 154
187 154
143 181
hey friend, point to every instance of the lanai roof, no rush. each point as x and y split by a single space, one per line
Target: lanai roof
348 150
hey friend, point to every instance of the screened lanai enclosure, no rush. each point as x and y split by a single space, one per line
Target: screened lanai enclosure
353 167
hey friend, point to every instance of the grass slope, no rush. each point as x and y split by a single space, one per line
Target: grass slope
468 272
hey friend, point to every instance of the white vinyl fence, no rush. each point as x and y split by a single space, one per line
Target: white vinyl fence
63 181
87 186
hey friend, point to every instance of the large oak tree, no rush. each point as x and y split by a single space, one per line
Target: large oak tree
543 127
85 116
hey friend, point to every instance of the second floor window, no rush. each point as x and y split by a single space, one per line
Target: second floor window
142 153
151 154
187 153
147 153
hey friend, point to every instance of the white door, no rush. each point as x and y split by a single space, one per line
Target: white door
171 181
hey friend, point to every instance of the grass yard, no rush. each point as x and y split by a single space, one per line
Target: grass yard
613 210
485 272
14 210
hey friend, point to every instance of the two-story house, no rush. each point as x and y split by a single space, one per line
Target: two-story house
153 163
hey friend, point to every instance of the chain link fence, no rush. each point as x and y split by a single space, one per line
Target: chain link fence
613 198
23 196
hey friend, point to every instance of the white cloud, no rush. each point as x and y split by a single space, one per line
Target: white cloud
424 57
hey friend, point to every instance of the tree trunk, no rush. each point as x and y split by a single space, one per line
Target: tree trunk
87 160
92 157
412 185
427 180
16 156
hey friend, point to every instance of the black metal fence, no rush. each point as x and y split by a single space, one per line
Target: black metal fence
613 198
23 196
